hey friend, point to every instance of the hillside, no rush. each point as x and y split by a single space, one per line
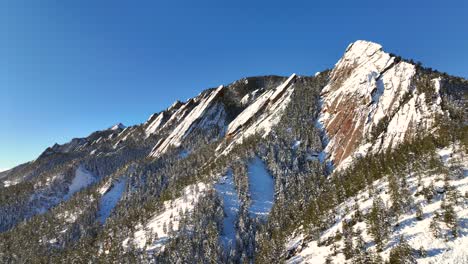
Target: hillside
362 163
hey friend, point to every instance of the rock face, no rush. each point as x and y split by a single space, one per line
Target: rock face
262 114
370 103
206 112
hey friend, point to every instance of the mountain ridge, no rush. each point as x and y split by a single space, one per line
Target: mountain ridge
156 182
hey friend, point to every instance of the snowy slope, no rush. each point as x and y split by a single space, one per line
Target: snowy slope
365 86
416 232
227 191
110 199
261 187
83 178
170 213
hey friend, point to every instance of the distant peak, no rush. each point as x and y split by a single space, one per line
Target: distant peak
118 126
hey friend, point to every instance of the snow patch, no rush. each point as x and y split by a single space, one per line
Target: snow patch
110 199
261 187
227 190
83 178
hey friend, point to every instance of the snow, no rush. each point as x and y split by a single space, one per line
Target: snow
174 105
215 116
169 213
416 233
110 199
154 126
179 113
414 113
10 183
374 88
103 189
176 136
82 179
249 97
117 126
445 154
124 134
264 113
360 152
4 169
69 216
253 109
296 144
227 190
261 187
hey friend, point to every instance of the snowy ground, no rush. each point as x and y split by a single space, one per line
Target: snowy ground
416 232
110 199
227 190
9 183
262 188
170 213
83 178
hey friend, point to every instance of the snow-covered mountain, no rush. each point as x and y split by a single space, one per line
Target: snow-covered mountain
371 102
265 169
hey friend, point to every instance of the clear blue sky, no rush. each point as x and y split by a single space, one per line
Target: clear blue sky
67 69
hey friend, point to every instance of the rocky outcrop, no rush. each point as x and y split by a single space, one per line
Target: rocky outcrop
371 103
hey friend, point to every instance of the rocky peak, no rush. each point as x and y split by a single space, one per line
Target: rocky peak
118 126
369 92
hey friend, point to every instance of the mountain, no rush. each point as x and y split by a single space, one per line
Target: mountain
362 163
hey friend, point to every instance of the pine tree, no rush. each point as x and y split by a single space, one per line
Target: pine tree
374 258
348 249
406 194
396 208
357 212
449 215
361 255
419 212
434 226
402 253
422 252
378 223
428 192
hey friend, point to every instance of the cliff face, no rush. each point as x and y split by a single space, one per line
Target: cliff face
371 104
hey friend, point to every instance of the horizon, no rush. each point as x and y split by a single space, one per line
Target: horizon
74 68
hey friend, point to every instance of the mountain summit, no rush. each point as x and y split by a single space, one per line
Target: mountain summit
362 163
